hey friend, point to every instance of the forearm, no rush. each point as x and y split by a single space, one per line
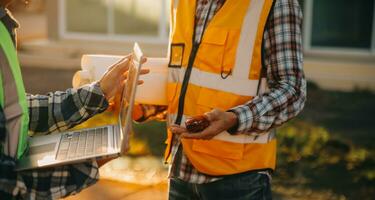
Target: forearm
48 183
58 182
272 109
59 111
283 58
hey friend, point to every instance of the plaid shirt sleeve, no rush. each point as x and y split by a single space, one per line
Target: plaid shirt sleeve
59 111
49 183
54 112
283 58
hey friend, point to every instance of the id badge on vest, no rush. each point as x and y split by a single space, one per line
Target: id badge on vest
177 54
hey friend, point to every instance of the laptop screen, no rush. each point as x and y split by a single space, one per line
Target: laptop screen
128 98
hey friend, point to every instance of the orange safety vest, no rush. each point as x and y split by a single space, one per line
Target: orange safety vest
222 71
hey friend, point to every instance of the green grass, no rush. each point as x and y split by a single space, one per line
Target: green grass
348 115
153 134
329 147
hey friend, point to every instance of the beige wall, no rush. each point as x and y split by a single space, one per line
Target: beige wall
340 74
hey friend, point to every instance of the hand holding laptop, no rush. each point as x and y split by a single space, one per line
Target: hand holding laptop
112 85
114 79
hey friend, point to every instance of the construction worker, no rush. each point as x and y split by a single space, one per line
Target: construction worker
238 63
22 114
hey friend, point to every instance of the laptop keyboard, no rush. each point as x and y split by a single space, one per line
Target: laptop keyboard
83 143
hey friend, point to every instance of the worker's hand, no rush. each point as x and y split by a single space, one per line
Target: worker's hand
114 79
219 121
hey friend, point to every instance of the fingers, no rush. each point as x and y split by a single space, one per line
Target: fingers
206 134
127 57
124 59
145 71
178 130
123 66
143 60
217 125
140 82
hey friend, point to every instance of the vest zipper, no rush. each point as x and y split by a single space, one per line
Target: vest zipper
185 82
192 56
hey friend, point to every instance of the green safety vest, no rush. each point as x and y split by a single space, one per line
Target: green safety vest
6 44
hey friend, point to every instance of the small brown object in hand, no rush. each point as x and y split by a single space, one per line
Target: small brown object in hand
197 124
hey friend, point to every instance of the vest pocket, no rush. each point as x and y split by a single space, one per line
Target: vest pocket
211 50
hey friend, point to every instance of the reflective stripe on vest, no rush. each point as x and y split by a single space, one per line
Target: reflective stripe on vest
248 40
232 42
13 97
243 87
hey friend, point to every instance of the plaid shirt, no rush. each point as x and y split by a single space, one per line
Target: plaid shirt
283 58
56 111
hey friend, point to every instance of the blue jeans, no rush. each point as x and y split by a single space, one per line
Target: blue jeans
246 186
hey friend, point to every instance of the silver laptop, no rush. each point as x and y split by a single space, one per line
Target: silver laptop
87 144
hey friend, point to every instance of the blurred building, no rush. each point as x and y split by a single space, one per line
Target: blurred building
339 36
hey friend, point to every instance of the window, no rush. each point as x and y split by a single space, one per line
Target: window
86 16
340 24
115 19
